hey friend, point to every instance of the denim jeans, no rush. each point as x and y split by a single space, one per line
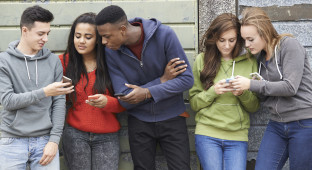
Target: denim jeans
172 137
86 151
16 153
219 154
281 141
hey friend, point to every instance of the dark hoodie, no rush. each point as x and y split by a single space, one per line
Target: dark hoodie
27 112
288 85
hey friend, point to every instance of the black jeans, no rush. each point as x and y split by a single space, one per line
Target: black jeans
90 151
173 139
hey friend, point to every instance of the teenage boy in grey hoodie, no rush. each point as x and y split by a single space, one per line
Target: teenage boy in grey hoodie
32 96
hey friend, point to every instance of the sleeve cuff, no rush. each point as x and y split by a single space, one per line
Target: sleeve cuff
153 92
40 94
54 138
244 96
212 92
255 86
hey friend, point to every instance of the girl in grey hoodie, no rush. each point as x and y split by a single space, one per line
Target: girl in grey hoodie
285 89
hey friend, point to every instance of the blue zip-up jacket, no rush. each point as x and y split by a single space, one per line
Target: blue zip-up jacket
160 46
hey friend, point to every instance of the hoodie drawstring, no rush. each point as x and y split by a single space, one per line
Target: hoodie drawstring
27 67
28 70
281 77
233 69
36 72
279 72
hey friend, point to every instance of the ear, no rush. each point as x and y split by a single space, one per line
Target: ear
24 30
123 29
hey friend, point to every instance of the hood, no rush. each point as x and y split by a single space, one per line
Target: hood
277 53
149 26
237 59
13 51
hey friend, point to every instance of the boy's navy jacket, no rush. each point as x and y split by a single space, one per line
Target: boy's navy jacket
160 46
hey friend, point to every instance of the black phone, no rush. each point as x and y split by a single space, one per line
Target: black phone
119 94
66 80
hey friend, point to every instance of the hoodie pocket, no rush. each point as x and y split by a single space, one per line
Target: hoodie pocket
8 118
28 121
226 116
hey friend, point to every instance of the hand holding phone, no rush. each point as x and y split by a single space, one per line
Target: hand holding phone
67 80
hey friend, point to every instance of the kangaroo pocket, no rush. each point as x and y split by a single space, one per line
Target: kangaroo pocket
29 122
224 116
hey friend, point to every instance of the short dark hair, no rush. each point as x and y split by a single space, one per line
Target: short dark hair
35 13
111 14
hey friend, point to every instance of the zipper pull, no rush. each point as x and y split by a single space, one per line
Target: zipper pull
141 63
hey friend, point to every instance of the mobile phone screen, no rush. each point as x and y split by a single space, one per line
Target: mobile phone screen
66 80
119 94
92 97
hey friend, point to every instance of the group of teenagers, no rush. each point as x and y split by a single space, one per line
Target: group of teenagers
139 66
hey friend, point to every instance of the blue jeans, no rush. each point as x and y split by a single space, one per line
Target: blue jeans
86 151
219 154
281 141
16 153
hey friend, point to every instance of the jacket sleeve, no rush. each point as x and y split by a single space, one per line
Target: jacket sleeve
11 100
292 56
119 80
248 99
58 108
200 98
182 82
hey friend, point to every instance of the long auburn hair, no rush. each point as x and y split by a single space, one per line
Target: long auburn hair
212 56
258 18
75 67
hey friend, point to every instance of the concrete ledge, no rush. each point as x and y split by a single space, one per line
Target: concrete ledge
66 12
286 13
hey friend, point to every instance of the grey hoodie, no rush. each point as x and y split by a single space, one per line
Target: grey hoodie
288 82
27 112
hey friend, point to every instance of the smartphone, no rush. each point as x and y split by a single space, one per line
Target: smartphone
119 94
66 80
256 76
93 97
228 79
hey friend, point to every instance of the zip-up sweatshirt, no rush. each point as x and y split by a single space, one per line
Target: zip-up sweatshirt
160 46
288 82
224 116
27 112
